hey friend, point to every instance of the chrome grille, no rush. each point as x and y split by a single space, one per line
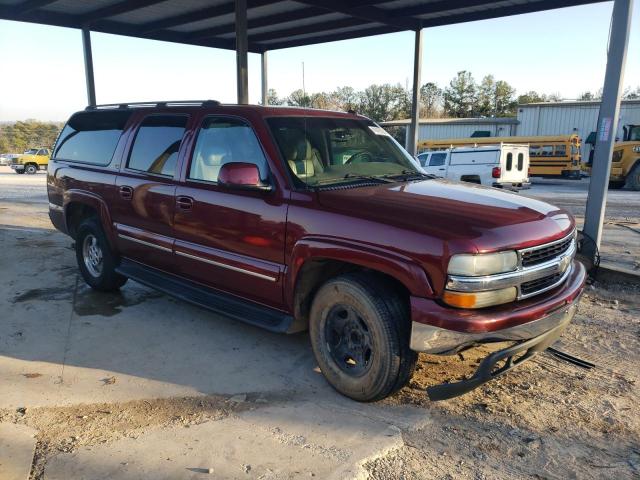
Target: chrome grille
537 255
527 288
540 269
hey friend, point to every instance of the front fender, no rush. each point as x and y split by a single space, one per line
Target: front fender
398 266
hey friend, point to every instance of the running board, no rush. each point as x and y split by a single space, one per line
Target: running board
216 301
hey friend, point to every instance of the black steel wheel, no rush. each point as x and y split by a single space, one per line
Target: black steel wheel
359 328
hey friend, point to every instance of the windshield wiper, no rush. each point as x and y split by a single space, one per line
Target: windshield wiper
410 174
373 178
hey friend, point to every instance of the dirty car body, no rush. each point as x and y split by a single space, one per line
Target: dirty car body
296 219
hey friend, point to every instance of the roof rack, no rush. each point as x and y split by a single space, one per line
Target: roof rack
172 103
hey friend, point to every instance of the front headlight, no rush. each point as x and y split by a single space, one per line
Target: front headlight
483 264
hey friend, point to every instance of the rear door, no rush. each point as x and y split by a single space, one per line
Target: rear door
229 239
145 188
514 164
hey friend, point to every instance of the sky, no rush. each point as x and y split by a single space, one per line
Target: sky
558 51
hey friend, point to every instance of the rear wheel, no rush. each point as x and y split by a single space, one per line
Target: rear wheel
359 329
616 185
31 169
633 179
96 261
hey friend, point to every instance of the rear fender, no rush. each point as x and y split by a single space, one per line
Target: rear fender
98 204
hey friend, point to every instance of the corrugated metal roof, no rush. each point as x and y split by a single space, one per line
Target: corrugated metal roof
459 121
576 103
272 24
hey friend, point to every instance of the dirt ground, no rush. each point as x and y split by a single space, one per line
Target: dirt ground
560 421
546 419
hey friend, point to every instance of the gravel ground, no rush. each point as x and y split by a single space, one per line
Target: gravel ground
554 421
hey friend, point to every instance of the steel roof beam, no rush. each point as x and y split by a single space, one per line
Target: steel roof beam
116 9
369 13
329 37
202 14
30 5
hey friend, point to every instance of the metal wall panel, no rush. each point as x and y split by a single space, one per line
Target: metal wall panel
554 119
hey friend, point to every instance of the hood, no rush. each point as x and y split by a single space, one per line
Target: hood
468 217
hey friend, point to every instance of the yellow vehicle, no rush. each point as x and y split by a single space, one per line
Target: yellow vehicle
625 160
550 156
31 161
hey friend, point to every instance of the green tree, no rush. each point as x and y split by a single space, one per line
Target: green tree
430 100
272 98
486 97
530 97
505 102
299 98
460 95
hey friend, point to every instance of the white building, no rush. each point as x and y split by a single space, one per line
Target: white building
459 127
559 118
545 118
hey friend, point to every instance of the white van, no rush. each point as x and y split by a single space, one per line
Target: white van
503 165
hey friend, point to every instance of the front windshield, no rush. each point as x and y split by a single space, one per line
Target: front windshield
327 151
31 151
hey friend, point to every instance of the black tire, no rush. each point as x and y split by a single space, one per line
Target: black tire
31 169
380 315
633 179
19 172
99 275
616 185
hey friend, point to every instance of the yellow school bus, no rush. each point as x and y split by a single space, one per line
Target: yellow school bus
550 156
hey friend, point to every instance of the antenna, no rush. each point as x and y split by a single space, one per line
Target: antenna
304 90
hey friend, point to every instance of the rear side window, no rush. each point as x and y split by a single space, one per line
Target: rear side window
224 140
510 161
561 151
91 137
155 149
437 159
520 161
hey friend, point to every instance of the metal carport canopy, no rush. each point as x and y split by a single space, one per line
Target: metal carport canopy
259 26
271 24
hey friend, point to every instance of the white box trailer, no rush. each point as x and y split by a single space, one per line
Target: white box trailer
503 165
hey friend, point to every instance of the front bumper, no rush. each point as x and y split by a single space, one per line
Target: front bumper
512 356
17 166
514 187
441 329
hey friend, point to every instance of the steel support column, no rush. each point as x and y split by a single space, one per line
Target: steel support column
242 44
265 85
88 66
607 123
412 137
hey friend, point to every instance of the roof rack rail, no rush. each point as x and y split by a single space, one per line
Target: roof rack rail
164 103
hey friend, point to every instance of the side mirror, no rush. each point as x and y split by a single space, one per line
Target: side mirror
242 175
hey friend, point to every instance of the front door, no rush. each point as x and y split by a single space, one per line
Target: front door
229 239
144 192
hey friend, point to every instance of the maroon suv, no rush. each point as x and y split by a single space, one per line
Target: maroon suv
294 219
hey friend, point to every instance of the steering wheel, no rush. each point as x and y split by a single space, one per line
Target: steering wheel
363 155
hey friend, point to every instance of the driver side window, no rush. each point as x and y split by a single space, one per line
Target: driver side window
224 140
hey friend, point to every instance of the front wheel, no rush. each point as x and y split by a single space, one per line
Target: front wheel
633 179
31 169
96 261
359 330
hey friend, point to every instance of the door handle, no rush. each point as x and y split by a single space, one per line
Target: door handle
126 192
184 203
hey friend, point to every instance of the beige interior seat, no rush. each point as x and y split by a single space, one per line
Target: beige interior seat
304 160
209 162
